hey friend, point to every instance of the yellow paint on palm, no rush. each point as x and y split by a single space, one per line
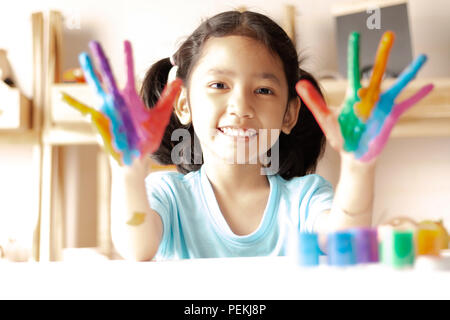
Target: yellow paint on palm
137 219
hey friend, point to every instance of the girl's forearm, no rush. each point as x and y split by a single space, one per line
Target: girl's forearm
136 229
353 200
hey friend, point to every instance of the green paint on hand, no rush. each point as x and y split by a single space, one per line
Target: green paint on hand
351 126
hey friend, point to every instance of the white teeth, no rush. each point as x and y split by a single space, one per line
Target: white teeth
235 132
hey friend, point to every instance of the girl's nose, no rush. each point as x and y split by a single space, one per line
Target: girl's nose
240 105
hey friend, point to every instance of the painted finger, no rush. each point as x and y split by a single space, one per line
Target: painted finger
103 126
83 108
350 125
99 120
89 73
324 117
401 107
129 63
168 95
124 135
105 68
136 109
122 123
378 143
406 76
370 95
353 64
385 104
313 99
160 116
381 60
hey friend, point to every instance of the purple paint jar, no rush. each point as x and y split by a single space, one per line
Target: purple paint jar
366 244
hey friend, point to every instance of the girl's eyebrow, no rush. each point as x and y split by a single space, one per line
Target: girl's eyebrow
221 72
268 76
261 75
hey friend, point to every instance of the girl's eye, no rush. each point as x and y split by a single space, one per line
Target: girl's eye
264 91
218 85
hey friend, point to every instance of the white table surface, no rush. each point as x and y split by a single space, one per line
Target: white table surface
231 278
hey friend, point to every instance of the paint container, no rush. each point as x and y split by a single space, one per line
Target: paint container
341 249
397 248
366 245
308 249
428 243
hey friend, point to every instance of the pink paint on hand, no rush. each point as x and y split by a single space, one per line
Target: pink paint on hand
136 107
151 123
378 143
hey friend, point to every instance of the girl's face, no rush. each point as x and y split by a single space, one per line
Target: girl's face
237 89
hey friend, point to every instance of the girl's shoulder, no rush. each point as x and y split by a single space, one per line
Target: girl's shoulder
309 181
172 177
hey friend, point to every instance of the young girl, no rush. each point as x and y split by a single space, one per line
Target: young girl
239 72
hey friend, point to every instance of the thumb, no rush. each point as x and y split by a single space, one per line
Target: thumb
323 115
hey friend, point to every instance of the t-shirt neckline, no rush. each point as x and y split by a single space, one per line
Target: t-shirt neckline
221 225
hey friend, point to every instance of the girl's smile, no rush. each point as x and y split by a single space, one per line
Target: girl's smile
237 132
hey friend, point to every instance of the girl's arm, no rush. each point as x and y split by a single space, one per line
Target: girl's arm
129 133
356 128
136 229
353 200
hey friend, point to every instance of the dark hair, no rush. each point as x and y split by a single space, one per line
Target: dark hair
300 150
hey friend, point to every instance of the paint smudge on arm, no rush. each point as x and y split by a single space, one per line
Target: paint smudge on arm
137 219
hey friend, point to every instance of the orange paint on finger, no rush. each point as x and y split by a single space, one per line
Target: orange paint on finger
370 95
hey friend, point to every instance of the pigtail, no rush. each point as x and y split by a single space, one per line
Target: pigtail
154 82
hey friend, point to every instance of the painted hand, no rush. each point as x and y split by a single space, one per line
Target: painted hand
366 119
127 127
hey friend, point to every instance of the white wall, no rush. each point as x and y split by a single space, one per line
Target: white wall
413 175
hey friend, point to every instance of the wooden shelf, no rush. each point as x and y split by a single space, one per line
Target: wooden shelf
15 137
15 117
61 112
429 118
15 109
67 125
70 135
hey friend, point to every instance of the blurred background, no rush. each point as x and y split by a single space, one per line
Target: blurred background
52 184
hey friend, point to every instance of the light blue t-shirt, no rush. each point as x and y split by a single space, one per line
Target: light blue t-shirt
194 227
